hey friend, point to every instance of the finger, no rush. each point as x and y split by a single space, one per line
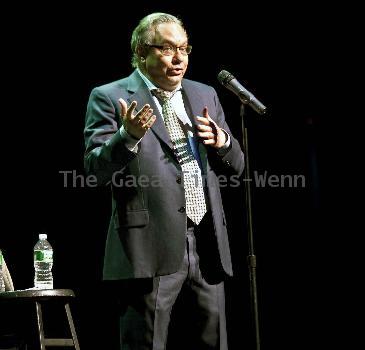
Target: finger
202 120
123 106
150 122
209 142
145 116
206 135
143 110
204 128
141 114
205 112
130 110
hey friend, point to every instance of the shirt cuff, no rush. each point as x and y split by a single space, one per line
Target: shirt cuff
129 141
225 148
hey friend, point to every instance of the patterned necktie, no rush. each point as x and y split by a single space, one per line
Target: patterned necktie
193 184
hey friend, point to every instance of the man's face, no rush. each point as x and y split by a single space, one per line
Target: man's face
166 71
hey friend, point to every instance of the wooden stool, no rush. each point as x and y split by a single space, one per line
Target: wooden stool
39 297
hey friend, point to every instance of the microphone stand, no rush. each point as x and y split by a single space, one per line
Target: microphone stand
251 258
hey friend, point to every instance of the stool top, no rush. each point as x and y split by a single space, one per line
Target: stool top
37 294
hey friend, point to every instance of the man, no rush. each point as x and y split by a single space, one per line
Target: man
167 229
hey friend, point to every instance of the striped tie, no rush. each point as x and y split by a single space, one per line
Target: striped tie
193 184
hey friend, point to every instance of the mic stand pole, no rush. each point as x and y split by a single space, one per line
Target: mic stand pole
251 258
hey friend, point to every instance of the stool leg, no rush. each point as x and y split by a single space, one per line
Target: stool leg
40 325
72 327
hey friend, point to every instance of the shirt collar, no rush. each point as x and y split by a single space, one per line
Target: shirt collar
149 84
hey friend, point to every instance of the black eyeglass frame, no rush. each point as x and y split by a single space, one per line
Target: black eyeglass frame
187 48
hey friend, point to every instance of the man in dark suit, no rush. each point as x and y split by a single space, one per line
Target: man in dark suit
167 229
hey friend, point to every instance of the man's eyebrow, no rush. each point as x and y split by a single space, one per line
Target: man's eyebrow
174 44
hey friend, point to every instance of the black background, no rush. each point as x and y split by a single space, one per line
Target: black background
54 56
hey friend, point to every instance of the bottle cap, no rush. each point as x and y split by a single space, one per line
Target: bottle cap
43 236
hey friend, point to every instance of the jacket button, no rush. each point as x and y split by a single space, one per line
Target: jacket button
178 179
182 210
228 163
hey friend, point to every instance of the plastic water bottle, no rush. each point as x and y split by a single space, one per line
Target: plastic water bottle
2 284
43 263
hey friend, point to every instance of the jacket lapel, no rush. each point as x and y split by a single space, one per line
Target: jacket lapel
142 95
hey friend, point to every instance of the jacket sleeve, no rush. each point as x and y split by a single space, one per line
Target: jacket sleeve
233 158
105 148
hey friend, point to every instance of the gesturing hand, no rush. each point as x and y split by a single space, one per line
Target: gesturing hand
136 125
209 131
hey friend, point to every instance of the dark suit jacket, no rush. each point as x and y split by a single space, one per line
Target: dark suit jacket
147 230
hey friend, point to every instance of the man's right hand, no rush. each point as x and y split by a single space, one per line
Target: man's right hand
136 125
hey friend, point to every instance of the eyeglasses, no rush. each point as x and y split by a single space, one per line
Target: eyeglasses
171 50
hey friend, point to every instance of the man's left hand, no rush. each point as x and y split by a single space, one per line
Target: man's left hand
209 131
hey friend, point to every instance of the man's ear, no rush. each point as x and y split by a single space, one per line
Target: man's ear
142 52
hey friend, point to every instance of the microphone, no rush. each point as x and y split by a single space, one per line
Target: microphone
231 83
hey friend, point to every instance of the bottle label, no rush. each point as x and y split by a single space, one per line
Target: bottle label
43 255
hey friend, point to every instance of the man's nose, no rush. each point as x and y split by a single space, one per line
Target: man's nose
178 55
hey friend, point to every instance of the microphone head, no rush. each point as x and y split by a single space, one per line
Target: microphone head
225 77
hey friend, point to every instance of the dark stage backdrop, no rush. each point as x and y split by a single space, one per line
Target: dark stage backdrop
55 57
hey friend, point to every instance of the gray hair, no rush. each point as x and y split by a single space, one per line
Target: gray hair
144 33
